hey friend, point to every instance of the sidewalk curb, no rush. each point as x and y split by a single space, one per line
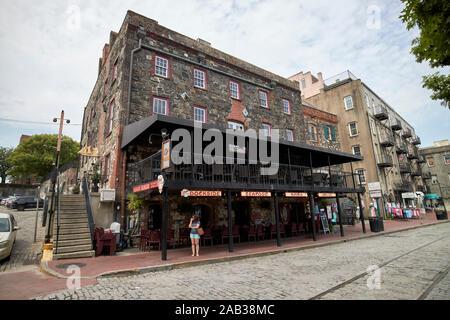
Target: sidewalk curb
179 265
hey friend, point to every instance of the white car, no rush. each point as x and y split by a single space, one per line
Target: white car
8 231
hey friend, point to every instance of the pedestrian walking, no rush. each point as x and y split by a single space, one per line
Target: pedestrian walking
195 237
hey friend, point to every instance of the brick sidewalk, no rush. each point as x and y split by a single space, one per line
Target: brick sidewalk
147 261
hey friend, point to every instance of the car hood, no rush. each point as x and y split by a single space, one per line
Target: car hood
4 236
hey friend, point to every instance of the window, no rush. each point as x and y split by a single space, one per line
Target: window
303 83
200 114
289 135
199 79
263 102
266 129
161 67
430 161
348 103
160 106
353 129
235 125
107 161
286 106
234 90
447 159
356 150
361 178
329 132
110 116
312 132
115 70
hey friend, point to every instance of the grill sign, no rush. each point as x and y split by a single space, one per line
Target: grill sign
255 194
145 187
200 193
326 195
296 194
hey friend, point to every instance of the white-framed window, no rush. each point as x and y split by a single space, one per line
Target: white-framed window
235 125
348 101
311 132
234 90
160 106
199 78
200 114
286 106
353 129
303 83
161 66
267 129
356 150
361 178
289 135
263 101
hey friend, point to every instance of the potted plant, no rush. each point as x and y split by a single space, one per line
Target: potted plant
95 178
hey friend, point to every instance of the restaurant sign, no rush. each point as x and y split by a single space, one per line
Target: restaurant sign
255 194
326 195
295 194
165 155
145 187
200 193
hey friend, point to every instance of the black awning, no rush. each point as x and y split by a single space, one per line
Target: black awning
299 152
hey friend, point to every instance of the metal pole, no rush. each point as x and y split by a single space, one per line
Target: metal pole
277 218
340 215
313 215
361 215
230 223
164 225
37 213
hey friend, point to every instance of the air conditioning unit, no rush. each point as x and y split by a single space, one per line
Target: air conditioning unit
107 195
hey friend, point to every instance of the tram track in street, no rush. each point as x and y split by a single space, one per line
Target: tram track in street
422 296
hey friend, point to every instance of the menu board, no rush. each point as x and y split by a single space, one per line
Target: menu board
324 219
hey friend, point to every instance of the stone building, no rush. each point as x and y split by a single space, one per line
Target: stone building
322 127
372 128
151 81
437 171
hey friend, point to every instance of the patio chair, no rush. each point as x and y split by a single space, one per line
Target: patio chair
155 238
260 232
334 180
184 236
294 231
251 233
104 240
236 233
208 235
273 230
171 238
225 233
145 234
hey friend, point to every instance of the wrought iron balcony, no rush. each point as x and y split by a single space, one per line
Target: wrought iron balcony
413 153
403 186
416 172
405 168
384 161
387 139
396 125
400 148
380 113
406 133
421 188
416 141
426 175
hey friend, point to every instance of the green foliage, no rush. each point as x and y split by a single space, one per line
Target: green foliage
36 155
4 165
432 17
96 175
135 202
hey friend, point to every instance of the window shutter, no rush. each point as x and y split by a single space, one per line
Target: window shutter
333 133
325 129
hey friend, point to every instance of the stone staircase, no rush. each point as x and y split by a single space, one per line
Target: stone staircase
74 240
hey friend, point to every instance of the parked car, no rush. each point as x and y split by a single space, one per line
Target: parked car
9 201
23 203
8 231
2 200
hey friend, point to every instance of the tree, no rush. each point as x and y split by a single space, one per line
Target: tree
432 17
4 165
36 155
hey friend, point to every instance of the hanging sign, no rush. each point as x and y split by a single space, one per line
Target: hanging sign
165 155
88 151
296 194
145 187
200 193
326 195
255 194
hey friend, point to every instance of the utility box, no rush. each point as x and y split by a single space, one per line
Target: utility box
107 195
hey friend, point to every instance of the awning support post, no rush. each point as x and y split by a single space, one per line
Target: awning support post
165 217
313 215
340 215
230 223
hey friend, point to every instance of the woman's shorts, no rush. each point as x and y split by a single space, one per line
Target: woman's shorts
195 236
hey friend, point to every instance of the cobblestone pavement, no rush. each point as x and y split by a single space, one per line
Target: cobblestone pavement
25 252
297 275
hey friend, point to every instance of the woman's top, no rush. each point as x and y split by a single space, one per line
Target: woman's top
194 224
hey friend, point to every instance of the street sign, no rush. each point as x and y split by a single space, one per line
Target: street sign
375 194
374 186
409 195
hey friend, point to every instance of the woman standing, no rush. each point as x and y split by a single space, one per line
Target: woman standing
195 238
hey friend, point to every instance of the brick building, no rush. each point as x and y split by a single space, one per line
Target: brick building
152 79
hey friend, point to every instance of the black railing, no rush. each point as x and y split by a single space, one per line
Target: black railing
380 113
403 186
405 168
406 133
385 160
426 175
89 213
387 139
244 175
416 141
396 125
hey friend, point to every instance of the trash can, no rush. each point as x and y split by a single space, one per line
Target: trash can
376 224
441 215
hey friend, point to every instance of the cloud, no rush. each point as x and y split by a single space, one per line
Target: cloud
50 50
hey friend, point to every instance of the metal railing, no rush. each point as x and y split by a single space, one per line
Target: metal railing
346 75
380 112
89 213
406 133
403 186
387 139
396 124
426 175
405 168
416 141
385 160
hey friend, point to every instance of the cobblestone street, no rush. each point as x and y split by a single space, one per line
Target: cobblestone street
25 252
417 257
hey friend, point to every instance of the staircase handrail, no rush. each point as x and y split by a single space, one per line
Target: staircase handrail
87 198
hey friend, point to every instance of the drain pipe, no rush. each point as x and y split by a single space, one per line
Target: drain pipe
131 78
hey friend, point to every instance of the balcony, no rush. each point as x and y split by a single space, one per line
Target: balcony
413 153
406 133
380 113
338 80
384 161
403 187
416 141
426 175
405 168
416 172
400 148
421 188
396 125
387 140
420 159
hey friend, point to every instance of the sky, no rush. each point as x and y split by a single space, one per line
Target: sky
50 50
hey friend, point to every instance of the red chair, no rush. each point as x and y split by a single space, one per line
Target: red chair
273 230
225 233
294 231
208 236
155 237
145 234
236 233
301 228
171 238
260 232
251 233
283 230
103 240
184 236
